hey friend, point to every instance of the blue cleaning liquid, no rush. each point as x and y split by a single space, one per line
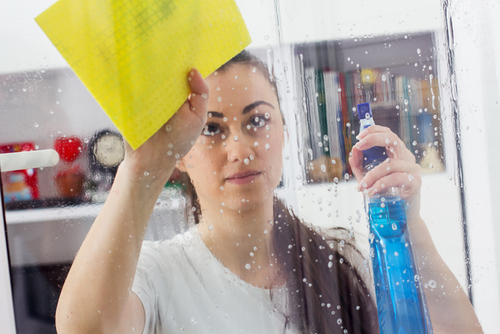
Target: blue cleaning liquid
401 308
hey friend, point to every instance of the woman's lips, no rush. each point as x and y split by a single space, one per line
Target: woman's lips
243 180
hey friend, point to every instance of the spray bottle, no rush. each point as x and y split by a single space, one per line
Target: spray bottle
401 304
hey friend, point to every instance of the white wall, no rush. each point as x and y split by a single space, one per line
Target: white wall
477 51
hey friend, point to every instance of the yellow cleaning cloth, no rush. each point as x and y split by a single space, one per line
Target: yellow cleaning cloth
134 55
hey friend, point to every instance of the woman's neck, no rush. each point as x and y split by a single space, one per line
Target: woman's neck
241 241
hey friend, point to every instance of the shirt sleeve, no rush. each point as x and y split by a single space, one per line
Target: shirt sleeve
149 284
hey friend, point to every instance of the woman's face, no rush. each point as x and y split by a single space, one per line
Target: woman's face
244 134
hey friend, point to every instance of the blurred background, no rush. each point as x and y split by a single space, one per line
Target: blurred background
429 69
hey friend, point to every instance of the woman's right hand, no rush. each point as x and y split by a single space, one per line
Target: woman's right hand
174 139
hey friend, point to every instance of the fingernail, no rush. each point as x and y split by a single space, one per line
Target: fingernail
361 185
360 143
361 134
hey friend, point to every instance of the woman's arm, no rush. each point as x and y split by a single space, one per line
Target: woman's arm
98 285
449 307
96 296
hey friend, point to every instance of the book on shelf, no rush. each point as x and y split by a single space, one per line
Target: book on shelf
407 105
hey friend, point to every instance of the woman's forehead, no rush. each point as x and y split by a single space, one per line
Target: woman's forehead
238 76
240 84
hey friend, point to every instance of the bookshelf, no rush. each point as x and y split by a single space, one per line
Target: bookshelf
396 74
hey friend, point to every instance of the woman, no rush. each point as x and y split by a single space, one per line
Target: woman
250 264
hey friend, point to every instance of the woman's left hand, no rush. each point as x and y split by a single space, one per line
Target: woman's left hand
399 170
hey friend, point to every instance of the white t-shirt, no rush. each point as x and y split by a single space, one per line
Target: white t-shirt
184 288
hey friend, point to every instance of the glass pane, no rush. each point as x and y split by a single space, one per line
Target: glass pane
289 246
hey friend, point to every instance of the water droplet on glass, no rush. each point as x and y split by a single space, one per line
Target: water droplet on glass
235 138
146 173
414 143
247 266
219 98
410 177
256 144
246 161
59 90
221 188
330 264
36 125
432 284
339 321
251 254
267 146
236 77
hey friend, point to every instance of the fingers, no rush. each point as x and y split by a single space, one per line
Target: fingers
372 129
400 170
391 173
381 136
198 99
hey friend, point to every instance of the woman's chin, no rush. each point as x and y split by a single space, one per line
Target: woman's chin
250 201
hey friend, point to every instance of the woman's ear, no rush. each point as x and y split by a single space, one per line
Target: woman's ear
181 165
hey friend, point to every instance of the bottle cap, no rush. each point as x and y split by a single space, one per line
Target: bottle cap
363 110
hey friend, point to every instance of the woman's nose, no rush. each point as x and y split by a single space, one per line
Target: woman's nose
239 147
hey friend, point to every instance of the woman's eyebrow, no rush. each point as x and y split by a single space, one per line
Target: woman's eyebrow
215 114
246 110
254 105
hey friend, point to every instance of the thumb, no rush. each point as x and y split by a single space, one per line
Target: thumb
198 99
356 163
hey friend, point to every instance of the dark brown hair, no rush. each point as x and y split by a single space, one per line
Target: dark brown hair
327 292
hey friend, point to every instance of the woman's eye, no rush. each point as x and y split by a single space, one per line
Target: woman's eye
211 129
258 121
